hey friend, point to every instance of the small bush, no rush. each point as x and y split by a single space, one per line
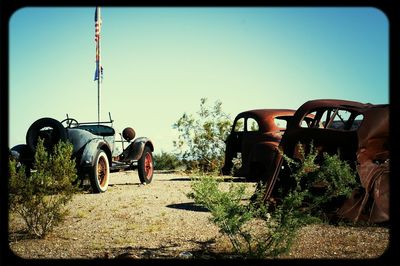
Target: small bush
274 231
39 199
166 161
227 211
259 230
326 180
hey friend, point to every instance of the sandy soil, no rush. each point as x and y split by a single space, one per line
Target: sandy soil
138 221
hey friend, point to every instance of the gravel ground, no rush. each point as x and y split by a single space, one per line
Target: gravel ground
132 220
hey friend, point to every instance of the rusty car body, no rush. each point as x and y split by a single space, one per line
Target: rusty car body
96 149
254 138
359 134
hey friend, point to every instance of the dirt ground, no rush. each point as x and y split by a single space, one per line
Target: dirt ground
138 221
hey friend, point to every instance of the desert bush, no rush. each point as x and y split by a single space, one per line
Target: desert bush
227 211
274 230
276 225
325 178
39 198
166 161
201 137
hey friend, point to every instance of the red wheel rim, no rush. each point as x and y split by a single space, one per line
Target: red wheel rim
102 171
148 165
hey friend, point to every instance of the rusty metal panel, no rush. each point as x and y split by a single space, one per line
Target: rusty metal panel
367 145
372 203
257 148
266 117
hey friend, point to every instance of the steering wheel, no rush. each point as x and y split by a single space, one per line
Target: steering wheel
69 122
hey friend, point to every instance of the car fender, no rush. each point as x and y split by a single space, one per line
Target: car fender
135 149
264 160
264 152
90 150
22 154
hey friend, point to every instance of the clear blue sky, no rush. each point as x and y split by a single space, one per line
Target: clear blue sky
159 62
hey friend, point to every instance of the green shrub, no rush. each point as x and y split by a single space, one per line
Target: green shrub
166 161
275 230
325 179
201 137
227 211
259 230
39 198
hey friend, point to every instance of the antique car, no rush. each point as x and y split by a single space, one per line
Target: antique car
359 134
96 149
254 138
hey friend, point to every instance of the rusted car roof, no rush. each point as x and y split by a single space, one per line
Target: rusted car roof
322 103
266 117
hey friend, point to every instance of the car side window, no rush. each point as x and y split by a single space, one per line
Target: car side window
339 120
333 118
311 121
303 123
357 122
326 116
239 125
252 124
279 122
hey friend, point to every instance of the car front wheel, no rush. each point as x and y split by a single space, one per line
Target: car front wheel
100 173
145 166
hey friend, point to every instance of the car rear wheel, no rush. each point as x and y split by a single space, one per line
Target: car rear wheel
146 166
100 173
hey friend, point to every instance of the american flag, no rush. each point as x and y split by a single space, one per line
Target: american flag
96 73
97 24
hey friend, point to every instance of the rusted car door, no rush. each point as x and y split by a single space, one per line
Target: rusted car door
233 144
244 134
251 136
332 130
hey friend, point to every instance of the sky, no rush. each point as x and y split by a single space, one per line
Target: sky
159 62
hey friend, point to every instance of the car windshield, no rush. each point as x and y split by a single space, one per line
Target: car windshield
281 121
100 130
333 118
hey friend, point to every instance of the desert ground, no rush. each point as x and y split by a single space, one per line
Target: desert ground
158 220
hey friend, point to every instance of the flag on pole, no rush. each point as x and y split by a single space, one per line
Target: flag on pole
97 29
97 24
96 73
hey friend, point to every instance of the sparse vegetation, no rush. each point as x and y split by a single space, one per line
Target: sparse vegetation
325 179
39 199
166 161
81 214
275 228
186 228
202 135
254 232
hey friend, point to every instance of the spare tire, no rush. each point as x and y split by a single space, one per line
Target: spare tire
128 134
49 129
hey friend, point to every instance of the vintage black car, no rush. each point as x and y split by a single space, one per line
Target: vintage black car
95 149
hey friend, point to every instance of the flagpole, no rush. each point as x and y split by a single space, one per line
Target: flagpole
97 19
98 85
